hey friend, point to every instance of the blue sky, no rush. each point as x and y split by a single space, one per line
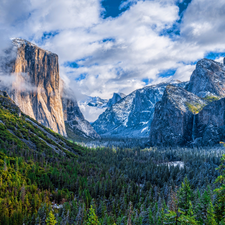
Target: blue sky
107 46
113 9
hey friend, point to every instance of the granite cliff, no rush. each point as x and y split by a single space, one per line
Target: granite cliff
210 124
208 79
173 118
35 85
194 116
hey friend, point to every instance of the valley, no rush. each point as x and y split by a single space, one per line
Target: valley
154 156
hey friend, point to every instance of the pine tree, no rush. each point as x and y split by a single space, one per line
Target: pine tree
220 192
184 196
92 217
188 217
51 219
210 215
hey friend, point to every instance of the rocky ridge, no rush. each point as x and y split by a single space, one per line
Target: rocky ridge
210 124
102 103
179 120
174 116
208 79
132 115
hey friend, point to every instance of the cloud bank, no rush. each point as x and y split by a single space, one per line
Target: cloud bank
101 56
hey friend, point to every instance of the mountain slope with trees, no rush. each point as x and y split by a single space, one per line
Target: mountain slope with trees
46 180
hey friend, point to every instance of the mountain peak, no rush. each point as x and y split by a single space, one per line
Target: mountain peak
208 79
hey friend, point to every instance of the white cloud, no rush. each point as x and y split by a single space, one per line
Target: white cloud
220 59
134 47
134 50
203 24
90 113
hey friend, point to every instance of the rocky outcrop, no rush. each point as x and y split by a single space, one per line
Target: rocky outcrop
132 115
74 119
208 79
173 118
116 98
35 85
210 124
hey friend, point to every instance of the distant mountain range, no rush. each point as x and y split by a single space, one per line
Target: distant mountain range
132 115
102 103
173 113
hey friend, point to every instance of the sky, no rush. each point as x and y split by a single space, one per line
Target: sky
107 46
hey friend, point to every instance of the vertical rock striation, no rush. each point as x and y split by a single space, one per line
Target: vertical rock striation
174 116
211 124
208 79
35 86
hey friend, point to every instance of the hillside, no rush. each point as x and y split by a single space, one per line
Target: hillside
25 132
43 177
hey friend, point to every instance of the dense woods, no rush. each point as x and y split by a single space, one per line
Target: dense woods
46 185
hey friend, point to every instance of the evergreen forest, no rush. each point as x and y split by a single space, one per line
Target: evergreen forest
52 181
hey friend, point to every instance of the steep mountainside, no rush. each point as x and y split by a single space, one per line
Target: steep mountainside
27 134
210 124
132 115
208 79
76 125
203 122
35 86
174 116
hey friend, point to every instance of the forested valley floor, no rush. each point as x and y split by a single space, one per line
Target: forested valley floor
47 185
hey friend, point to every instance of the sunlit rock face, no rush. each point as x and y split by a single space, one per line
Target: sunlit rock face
208 79
35 85
132 115
174 121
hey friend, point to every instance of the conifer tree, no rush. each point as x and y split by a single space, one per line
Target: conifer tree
51 219
92 217
210 215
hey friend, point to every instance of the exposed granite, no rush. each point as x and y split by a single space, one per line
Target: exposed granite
132 115
208 79
210 124
173 117
36 85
